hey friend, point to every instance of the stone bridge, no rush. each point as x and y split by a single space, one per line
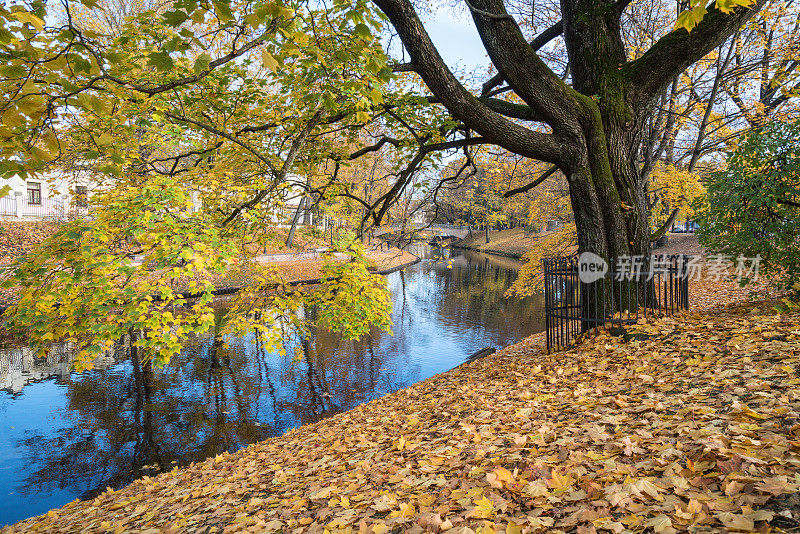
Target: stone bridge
434 229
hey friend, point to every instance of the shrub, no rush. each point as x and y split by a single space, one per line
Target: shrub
752 207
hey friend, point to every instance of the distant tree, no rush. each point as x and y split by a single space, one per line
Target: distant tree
673 192
752 208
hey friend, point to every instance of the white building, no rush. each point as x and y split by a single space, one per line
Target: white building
45 196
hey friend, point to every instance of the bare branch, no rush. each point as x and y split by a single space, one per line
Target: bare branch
547 174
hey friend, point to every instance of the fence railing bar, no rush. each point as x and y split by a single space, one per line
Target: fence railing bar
657 287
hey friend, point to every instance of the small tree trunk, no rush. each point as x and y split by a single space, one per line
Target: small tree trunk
293 227
306 210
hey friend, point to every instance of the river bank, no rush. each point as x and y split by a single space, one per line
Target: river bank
515 242
690 425
217 396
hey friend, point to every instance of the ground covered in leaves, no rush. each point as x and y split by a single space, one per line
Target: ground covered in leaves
687 424
18 238
512 242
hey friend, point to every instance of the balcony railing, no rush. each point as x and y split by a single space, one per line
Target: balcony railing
49 208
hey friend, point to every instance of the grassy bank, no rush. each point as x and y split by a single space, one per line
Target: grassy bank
687 424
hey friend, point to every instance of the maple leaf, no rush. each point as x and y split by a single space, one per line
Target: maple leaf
661 524
737 522
559 481
484 509
406 511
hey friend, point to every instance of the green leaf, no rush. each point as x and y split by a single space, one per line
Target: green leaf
202 63
362 30
160 60
13 71
223 10
6 36
175 18
691 18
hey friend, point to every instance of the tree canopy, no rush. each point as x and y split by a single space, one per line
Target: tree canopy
196 120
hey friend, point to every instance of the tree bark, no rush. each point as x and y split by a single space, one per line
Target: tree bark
295 220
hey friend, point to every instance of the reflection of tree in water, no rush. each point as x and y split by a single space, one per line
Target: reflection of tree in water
330 374
130 419
472 293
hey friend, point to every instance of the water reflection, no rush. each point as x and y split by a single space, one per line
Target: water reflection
68 435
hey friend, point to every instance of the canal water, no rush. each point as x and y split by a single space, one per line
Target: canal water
66 435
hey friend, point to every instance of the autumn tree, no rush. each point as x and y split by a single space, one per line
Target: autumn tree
196 153
673 193
238 102
593 125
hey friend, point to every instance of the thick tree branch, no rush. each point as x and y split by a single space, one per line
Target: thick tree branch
787 202
525 188
374 148
538 42
461 103
510 109
547 95
402 67
663 230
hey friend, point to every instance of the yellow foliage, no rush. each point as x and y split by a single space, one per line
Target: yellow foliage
673 188
561 242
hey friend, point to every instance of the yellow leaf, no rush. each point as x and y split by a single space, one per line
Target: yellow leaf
484 508
406 511
30 18
504 475
560 481
268 60
739 408
661 524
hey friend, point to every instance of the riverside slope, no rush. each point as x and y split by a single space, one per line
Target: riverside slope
690 426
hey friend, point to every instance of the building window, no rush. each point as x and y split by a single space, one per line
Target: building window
34 193
81 196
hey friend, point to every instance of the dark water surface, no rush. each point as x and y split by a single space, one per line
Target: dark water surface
70 435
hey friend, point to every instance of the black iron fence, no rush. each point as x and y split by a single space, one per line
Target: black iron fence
584 293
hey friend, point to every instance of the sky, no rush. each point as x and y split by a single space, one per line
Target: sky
455 36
